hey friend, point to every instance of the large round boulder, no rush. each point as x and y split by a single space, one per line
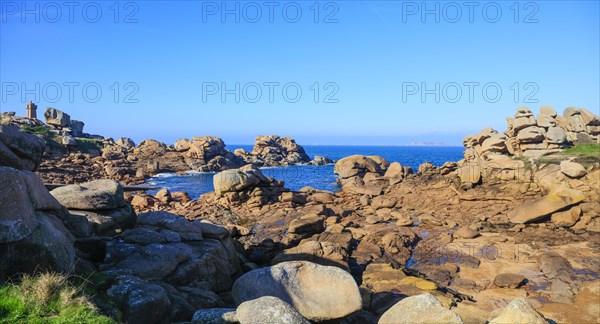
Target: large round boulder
318 292
238 179
419 309
358 166
268 309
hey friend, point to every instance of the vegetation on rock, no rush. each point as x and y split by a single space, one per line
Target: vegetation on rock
48 298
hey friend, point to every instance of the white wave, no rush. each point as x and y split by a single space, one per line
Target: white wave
165 175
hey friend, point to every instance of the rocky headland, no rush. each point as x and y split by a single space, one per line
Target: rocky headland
509 234
72 156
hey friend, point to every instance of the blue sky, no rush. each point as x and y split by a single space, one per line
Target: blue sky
370 60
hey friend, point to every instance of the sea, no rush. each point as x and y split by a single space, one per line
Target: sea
319 177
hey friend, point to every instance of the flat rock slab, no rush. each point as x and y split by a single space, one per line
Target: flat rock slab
556 200
93 195
509 280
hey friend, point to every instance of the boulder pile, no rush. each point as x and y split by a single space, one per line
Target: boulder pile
529 136
246 185
273 150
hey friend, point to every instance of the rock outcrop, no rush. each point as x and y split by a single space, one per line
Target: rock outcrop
207 153
32 234
273 150
19 149
168 267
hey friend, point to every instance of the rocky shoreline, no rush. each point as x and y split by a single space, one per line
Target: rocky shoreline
509 234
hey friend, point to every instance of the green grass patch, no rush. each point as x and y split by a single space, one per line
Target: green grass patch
36 130
48 298
85 144
585 154
592 150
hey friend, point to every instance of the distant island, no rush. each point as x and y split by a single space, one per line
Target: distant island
427 144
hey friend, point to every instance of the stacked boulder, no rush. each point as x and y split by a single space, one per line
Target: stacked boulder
581 125
97 207
207 153
246 184
368 175
487 154
273 150
533 137
61 123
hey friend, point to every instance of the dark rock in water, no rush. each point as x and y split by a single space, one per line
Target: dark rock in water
509 280
561 275
320 160
20 150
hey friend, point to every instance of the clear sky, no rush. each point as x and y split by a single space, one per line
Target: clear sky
168 70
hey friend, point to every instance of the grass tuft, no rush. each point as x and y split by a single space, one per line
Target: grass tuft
47 298
36 130
86 144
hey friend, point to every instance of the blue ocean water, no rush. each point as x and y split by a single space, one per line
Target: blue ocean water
320 177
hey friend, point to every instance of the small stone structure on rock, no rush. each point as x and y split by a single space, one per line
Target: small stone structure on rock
31 110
